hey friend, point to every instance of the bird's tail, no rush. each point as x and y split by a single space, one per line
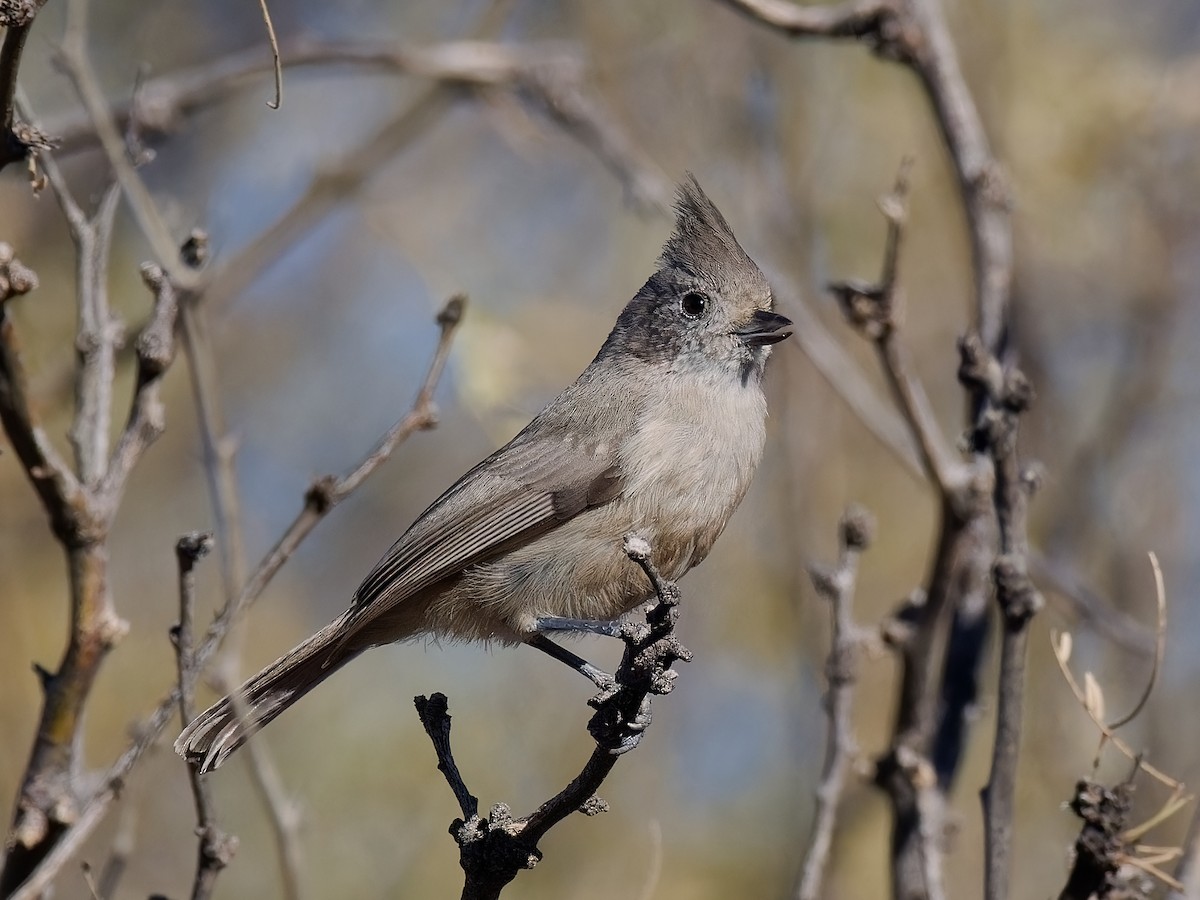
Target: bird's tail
227 724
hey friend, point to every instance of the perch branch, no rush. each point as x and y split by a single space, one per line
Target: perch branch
493 850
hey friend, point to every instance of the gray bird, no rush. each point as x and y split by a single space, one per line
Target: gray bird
659 437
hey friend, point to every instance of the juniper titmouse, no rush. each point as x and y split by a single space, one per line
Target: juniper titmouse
659 436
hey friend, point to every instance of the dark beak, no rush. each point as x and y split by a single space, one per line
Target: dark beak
765 328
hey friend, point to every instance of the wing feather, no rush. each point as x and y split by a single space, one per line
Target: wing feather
510 498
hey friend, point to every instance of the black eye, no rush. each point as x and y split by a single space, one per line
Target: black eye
694 304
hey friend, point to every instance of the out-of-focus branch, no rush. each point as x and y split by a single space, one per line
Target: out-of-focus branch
51 477
914 33
1003 395
841 745
216 847
906 771
320 498
16 138
876 311
50 800
1188 869
493 850
219 448
77 65
547 76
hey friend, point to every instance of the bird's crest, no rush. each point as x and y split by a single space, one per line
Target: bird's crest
702 239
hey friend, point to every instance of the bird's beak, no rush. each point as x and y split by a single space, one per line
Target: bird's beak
764 328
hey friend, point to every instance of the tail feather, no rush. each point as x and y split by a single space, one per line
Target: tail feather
226 725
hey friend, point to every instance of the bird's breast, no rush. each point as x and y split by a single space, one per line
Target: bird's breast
689 461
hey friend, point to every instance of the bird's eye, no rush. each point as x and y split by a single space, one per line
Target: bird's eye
694 304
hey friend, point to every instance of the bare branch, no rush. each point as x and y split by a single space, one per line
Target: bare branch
16 139
876 310
219 465
55 483
493 850
321 497
1001 394
78 67
434 713
216 847
49 803
155 350
841 745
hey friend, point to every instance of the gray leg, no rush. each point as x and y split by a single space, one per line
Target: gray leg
601 679
592 626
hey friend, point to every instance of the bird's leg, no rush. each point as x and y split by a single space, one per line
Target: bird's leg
592 626
596 676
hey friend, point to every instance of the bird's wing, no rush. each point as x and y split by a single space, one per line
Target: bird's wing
521 491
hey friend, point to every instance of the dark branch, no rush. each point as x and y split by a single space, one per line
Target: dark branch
216 847
493 850
1099 849
1003 394
17 139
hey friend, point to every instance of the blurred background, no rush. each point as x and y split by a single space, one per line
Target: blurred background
1093 108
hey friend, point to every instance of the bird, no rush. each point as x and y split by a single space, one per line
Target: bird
659 437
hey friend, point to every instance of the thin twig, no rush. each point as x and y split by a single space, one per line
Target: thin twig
321 497
216 847
1160 645
155 350
219 450
1062 653
434 713
78 67
841 745
276 66
1001 394
876 310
